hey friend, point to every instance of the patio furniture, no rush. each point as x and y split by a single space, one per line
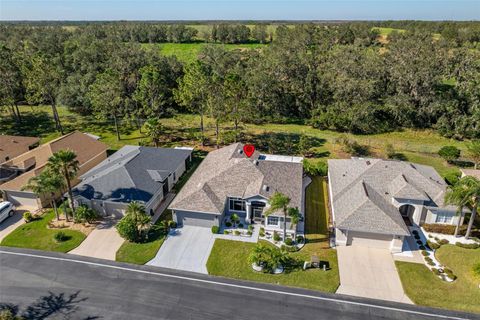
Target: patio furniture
315 261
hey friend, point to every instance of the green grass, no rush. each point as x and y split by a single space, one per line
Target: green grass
316 198
387 31
36 235
419 146
188 52
424 288
230 259
140 253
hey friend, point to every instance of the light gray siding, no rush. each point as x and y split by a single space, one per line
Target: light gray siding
195 219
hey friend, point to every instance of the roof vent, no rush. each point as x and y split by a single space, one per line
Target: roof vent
368 162
255 162
240 151
265 188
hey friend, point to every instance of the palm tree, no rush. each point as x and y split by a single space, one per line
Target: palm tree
456 195
154 130
234 218
136 211
295 215
472 192
473 149
279 201
46 183
65 163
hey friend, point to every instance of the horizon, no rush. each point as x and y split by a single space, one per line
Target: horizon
237 10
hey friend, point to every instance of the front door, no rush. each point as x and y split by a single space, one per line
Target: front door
257 212
165 188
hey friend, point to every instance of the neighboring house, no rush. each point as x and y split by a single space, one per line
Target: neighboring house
89 153
470 172
373 201
11 147
227 182
132 174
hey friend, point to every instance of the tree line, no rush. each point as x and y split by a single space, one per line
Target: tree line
339 77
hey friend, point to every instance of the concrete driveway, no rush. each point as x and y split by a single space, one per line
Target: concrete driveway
370 273
187 248
11 223
103 242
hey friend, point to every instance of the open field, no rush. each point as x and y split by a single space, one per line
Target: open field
37 235
182 129
188 52
424 288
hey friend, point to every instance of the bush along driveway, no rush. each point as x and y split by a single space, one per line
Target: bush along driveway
425 288
37 235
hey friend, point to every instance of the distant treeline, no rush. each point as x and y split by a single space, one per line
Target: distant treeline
338 76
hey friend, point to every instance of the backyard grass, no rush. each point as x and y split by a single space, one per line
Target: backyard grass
424 288
419 146
230 259
316 198
37 235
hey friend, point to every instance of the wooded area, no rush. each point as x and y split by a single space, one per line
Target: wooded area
346 77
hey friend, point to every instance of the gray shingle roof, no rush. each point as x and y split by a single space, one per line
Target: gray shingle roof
362 192
131 173
227 172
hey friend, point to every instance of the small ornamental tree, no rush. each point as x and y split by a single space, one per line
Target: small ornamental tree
449 153
85 214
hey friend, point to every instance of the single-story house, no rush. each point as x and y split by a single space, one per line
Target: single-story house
374 201
132 173
227 181
13 146
90 152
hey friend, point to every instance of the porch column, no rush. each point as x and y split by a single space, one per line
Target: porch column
248 218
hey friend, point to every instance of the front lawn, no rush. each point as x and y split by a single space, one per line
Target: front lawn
37 235
424 288
141 253
230 259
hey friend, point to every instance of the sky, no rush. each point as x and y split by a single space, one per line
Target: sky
239 10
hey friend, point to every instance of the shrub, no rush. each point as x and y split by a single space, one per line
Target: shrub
172 224
60 236
85 214
250 228
228 224
439 228
276 236
468 246
417 237
433 245
425 253
449 153
428 259
261 233
288 241
27 216
452 177
249 232
135 225
431 263
436 271
226 232
476 269
443 242
317 168
215 229
262 229
236 232
419 242
240 225
422 247
300 239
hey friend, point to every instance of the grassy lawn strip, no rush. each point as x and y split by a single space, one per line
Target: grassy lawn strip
424 288
230 259
316 221
36 235
141 253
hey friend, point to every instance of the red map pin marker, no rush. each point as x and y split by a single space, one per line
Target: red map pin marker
249 149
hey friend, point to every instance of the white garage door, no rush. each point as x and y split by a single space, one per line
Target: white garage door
25 200
370 240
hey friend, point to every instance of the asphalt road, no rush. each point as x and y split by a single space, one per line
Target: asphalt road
58 286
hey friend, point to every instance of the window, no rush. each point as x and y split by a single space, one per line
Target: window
443 217
273 221
236 204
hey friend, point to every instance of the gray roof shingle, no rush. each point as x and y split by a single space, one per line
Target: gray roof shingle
362 192
131 173
227 172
